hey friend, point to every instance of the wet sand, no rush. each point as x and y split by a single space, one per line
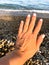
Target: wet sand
8 30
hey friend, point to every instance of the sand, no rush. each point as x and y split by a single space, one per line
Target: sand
8 31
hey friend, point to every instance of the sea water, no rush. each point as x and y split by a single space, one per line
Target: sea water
25 4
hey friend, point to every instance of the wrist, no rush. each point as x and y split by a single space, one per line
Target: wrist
19 58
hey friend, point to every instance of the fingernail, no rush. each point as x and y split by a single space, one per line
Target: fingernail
41 19
34 14
39 51
22 21
28 15
43 36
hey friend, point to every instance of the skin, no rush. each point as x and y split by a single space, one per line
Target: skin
27 43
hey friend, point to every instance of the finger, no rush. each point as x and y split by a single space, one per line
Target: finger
38 27
21 28
26 24
40 40
32 23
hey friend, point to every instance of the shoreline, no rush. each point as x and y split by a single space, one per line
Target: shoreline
11 12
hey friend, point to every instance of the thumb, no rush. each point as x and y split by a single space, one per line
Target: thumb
40 40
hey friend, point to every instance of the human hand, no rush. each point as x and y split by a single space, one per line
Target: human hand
27 42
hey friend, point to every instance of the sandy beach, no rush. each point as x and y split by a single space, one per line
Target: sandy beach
9 24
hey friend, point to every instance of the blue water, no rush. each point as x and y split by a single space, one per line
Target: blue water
25 4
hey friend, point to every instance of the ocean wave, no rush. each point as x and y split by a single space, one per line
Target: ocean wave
28 4
37 11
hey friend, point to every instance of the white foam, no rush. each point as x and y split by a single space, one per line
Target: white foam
37 11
